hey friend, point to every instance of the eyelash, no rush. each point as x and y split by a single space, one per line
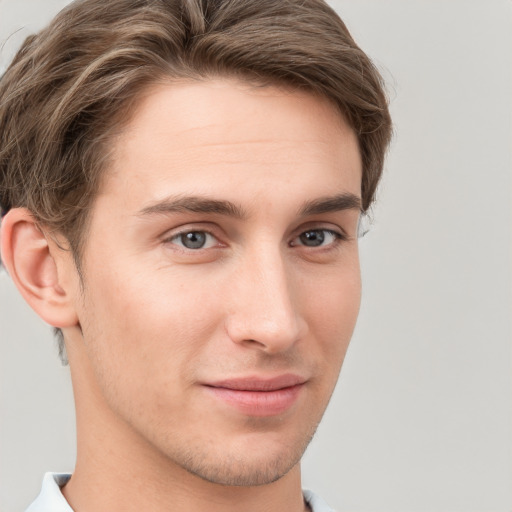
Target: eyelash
182 234
338 237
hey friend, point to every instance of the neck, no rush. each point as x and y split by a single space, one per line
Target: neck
110 476
119 470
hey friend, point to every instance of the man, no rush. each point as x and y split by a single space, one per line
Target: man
181 185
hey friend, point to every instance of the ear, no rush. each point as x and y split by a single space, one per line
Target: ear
27 255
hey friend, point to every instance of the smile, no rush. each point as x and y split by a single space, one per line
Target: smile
258 397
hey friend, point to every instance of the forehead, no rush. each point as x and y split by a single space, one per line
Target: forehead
229 137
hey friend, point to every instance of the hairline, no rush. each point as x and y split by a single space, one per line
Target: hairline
121 123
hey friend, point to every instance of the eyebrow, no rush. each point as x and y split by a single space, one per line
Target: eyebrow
339 202
193 204
198 204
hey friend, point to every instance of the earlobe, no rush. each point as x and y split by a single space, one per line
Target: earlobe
27 255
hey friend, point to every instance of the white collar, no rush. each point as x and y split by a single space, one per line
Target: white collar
51 499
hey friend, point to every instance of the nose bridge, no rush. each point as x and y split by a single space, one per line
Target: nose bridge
264 309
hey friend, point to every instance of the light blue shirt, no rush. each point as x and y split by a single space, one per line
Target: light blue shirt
50 498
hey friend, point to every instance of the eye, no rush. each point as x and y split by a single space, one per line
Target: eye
194 240
317 238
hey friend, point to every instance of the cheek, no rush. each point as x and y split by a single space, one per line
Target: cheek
148 324
333 306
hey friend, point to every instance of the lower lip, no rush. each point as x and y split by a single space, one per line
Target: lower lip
258 403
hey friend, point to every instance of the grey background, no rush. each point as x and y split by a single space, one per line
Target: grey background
422 417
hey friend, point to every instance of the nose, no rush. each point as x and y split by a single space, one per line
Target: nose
264 312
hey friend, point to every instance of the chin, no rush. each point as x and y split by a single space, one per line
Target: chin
242 472
260 463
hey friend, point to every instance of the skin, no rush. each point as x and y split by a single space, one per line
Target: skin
155 323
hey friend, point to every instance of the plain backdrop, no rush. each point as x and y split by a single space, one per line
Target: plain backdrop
422 416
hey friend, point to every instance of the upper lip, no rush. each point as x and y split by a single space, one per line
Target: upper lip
254 383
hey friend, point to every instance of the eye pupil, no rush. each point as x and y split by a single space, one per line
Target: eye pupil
312 238
193 240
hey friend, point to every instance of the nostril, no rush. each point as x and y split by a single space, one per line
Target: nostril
254 342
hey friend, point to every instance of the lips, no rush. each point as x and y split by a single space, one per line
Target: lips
254 396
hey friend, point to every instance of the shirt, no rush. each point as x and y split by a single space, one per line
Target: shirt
50 498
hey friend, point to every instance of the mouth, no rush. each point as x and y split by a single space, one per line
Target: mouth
254 396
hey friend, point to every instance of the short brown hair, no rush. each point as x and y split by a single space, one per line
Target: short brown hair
78 79
71 83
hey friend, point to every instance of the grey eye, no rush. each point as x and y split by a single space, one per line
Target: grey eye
312 238
194 240
317 238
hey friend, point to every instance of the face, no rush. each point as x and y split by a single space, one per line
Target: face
221 276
